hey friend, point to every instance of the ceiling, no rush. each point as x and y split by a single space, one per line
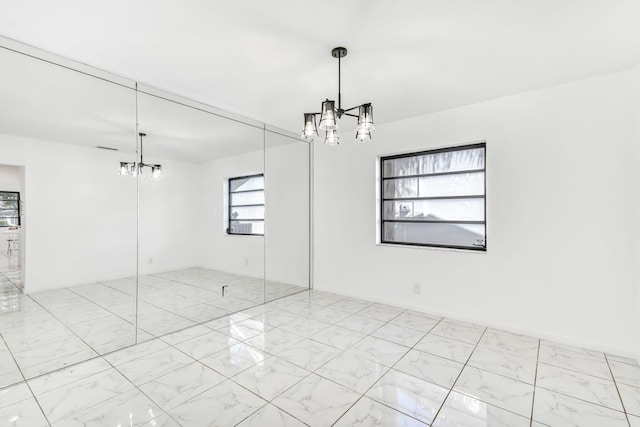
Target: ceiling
270 60
45 101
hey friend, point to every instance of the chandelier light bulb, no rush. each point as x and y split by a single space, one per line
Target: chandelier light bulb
156 171
124 168
362 133
365 117
328 117
332 137
310 130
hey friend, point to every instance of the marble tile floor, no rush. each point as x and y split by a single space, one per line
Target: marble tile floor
49 330
320 359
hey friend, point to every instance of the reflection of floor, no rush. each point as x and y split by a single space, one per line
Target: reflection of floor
316 358
49 330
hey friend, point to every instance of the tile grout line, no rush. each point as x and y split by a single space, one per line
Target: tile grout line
535 381
435 417
389 368
615 383
25 382
132 345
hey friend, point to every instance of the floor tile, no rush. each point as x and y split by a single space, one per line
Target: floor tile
338 337
136 351
503 392
364 325
415 321
226 404
575 361
379 350
14 394
270 377
428 367
185 334
206 345
244 329
269 415
316 401
70 399
305 327
461 410
634 421
445 347
556 409
581 386
68 375
506 364
369 413
466 332
25 413
329 315
410 395
399 334
381 312
146 368
274 340
161 421
178 386
309 354
630 398
353 371
235 359
507 342
625 373
131 408
351 305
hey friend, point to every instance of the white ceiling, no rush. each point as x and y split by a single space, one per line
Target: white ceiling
270 60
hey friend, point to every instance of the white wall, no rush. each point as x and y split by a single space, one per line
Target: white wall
559 216
9 178
635 76
169 217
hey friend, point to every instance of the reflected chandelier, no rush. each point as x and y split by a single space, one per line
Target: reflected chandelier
330 114
135 168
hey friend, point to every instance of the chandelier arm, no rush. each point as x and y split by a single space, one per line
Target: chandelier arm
351 115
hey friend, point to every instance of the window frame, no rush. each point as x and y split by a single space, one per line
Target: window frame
382 200
230 206
19 210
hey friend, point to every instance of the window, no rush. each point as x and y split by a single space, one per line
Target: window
9 208
435 198
246 205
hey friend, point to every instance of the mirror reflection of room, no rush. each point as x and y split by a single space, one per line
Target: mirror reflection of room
126 215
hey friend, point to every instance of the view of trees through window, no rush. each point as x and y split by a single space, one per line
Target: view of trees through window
435 198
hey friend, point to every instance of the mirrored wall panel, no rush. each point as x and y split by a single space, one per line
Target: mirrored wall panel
201 215
67 219
287 215
127 214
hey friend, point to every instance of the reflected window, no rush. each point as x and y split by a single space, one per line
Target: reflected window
9 209
435 198
246 205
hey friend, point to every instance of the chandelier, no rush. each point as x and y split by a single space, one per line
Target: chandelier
330 115
135 168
